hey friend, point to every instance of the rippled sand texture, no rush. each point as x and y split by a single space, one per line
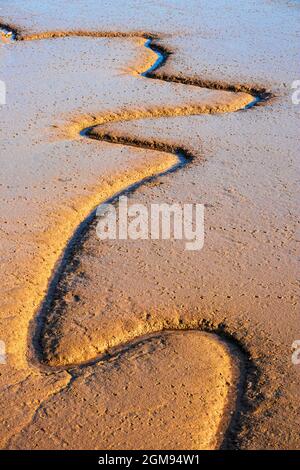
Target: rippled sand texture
241 285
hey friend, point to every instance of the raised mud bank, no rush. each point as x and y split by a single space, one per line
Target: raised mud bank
201 352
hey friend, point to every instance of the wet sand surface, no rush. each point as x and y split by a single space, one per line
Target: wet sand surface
240 288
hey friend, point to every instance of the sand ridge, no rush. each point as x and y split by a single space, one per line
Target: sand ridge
114 136
212 101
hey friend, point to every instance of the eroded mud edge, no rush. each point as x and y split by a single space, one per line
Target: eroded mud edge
249 372
260 94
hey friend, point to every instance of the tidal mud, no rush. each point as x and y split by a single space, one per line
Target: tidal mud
71 301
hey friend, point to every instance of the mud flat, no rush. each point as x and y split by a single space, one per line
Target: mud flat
84 322
135 398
